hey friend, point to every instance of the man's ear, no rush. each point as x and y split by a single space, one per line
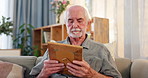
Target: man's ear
90 21
88 25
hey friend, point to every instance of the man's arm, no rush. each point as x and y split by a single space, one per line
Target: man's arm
83 69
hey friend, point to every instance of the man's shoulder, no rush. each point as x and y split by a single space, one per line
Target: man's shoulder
94 43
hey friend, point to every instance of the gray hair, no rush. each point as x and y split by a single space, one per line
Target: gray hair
86 13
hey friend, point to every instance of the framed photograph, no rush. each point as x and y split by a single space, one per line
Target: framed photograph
64 53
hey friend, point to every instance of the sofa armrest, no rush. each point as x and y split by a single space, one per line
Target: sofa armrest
123 65
139 69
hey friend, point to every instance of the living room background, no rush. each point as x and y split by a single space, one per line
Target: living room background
128 21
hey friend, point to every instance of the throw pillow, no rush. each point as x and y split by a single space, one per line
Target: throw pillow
10 70
112 48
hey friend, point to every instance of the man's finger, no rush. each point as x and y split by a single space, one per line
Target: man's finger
75 72
50 61
76 68
82 69
55 68
54 65
80 63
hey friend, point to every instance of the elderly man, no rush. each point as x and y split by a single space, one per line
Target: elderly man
97 61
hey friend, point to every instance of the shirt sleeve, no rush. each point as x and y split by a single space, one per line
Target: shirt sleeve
37 69
108 66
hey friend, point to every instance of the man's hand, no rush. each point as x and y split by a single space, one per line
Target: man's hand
50 67
80 69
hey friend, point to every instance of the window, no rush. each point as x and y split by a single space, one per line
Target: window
6 9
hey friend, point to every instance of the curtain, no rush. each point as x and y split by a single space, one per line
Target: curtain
143 28
6 10
110 9
128 25
136 29
34 12
106 9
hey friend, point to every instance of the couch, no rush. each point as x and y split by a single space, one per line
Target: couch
129 69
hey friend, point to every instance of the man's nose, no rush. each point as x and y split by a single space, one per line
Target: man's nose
75 24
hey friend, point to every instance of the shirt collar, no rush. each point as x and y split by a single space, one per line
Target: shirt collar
86 43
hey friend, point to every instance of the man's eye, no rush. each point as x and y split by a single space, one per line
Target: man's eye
80 21
70 21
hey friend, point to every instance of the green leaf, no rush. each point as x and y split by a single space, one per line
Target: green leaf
23 39
21 26
22 31
6 25
28 30
31 26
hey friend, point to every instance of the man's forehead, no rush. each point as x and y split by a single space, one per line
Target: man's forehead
75 14
76 9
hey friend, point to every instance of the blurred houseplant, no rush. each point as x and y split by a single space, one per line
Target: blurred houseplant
23 41
6 26
58 7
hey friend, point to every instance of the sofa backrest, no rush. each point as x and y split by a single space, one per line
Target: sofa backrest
124 66
26 61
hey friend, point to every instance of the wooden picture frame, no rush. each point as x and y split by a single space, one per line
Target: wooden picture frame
64 53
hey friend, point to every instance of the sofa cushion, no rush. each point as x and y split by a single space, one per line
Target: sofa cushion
10 70
139 69
123 65
26 61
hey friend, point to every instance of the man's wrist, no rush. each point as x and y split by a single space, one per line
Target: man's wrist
42 75
94 73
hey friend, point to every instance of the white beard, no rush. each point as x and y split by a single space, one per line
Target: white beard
76 34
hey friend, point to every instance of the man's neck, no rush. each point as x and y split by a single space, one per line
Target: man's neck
77 41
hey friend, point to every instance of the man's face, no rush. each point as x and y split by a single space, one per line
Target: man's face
76 22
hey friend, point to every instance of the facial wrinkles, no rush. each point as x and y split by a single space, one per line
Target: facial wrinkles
74 26
76 29
75 13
